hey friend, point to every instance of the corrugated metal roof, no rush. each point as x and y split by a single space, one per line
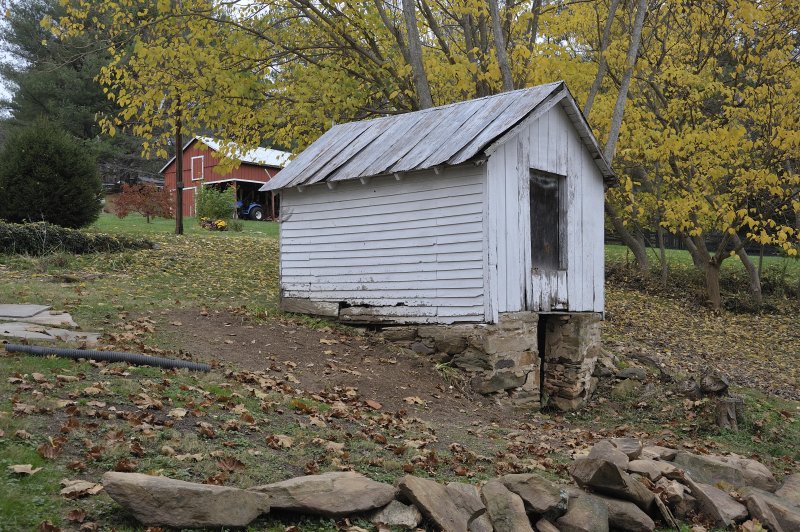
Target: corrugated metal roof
259 156
447 135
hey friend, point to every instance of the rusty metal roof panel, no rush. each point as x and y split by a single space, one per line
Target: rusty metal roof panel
450 134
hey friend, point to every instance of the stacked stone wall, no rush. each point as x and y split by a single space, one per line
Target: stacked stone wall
572 347
503 359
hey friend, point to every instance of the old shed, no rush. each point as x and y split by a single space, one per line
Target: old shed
457 213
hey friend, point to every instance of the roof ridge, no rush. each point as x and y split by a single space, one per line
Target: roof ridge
452 104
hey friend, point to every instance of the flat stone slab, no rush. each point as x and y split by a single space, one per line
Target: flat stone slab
330 494
165 501
32 331
20 311
733 469
49 317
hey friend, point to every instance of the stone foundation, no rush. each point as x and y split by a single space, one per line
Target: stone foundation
572 346
504 359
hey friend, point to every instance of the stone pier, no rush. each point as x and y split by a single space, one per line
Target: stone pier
510 359
572 346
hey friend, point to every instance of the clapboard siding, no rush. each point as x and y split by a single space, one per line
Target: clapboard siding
550 144
408 250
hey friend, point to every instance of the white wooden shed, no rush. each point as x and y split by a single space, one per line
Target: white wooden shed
451 214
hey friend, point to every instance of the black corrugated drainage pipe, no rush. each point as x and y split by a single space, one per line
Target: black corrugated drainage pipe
109 356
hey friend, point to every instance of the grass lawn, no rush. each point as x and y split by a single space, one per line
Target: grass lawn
678 259
242 427
136 224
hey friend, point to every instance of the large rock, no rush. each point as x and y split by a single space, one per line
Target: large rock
627 517
543 525
467 499
632 447
504 379
608 479
397 514
790 490
652 469
506 509
626 389
673 491
657 452
540 496
685 507
733 469
435 503
330 494
605 450
778 514
632 372
161 501
585 513
717 504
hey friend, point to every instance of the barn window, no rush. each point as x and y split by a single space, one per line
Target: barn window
548 222
197 168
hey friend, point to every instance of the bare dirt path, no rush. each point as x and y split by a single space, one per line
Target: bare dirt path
321 359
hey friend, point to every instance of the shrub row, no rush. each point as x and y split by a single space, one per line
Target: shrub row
42 238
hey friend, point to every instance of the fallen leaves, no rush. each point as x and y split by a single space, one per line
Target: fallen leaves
75 489
126 465
77 515
279 441
24 409
230 464
375 405
414 400
206 429
143 400
51 449
24 469
177 413
197 457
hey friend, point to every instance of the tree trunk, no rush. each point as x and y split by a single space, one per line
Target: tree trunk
622 97
712 285
603 62
178 176
698 260
634 244
752 271
415 53
662 254
729 412
500 47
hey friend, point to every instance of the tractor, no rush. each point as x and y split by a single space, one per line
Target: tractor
253 210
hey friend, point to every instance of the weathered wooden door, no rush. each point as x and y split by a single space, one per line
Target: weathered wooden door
548 242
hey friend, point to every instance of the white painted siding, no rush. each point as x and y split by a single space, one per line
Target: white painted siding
409 250
551 144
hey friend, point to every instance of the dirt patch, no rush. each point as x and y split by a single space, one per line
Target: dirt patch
325 358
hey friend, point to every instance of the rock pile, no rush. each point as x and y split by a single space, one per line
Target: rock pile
621 485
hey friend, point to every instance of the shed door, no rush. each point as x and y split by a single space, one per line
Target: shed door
548 241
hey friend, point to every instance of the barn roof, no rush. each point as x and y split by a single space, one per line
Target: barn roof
259 156
447 135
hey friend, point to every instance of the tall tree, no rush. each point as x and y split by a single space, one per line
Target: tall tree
715 110
55 78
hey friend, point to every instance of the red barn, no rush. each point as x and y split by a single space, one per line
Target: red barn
200 162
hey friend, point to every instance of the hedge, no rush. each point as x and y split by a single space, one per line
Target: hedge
42 238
